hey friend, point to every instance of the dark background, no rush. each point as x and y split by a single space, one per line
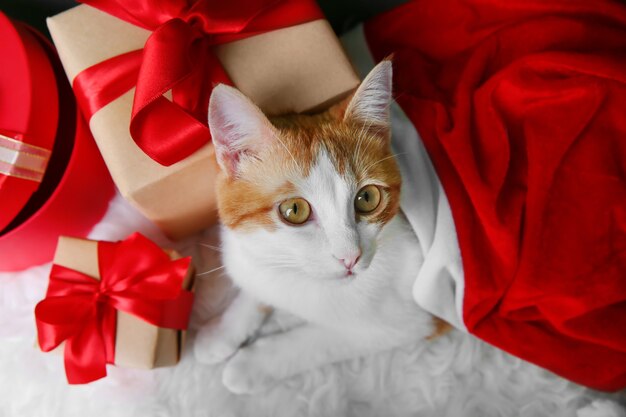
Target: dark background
342 14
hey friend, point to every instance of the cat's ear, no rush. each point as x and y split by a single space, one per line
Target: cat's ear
370 103
239 129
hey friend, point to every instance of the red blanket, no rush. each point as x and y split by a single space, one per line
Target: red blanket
521 105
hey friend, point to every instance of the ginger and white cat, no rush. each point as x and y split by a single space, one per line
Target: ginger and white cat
311 226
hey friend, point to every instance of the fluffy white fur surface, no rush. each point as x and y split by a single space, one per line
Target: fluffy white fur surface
453 376
456 375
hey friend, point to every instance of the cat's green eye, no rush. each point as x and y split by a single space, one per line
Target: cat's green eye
295 210
367 199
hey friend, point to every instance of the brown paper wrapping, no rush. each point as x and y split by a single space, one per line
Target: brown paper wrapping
138 344
292 70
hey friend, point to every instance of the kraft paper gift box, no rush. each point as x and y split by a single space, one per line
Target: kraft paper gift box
138 344
295 69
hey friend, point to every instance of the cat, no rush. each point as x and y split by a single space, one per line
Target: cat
311 225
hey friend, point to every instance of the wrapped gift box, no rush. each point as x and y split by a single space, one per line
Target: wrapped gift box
137 343
294 69
48 159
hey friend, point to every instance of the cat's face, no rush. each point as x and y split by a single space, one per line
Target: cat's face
310 194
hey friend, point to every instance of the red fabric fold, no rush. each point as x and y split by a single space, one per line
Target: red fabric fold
178 57
137 277
520 105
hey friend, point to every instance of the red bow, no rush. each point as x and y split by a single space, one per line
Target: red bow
178 57
136 277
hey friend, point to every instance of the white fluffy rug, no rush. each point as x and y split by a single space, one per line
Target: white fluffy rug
453 376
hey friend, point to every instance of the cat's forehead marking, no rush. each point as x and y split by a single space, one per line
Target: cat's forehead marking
305 140
334 149
325 176
330 191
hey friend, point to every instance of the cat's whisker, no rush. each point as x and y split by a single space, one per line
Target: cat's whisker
215 248
283 265
361 137
366 127
210 271
383 159
279 140
279 265
380 129
395 99
364 138
284 262
364 144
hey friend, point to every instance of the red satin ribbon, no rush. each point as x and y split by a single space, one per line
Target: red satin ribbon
137 277
178 56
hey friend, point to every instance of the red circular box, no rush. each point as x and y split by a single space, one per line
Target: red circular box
38 114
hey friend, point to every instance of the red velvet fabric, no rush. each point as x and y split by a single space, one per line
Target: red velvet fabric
521 105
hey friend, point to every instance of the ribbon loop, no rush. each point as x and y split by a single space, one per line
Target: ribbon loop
172 54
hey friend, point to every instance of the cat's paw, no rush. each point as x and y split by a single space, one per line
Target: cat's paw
247 373
214 346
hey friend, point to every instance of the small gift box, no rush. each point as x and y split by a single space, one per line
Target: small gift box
48 159
145 74
124 303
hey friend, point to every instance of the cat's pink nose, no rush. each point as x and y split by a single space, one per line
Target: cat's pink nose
351 260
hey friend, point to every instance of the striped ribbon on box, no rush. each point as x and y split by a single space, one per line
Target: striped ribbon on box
21 160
